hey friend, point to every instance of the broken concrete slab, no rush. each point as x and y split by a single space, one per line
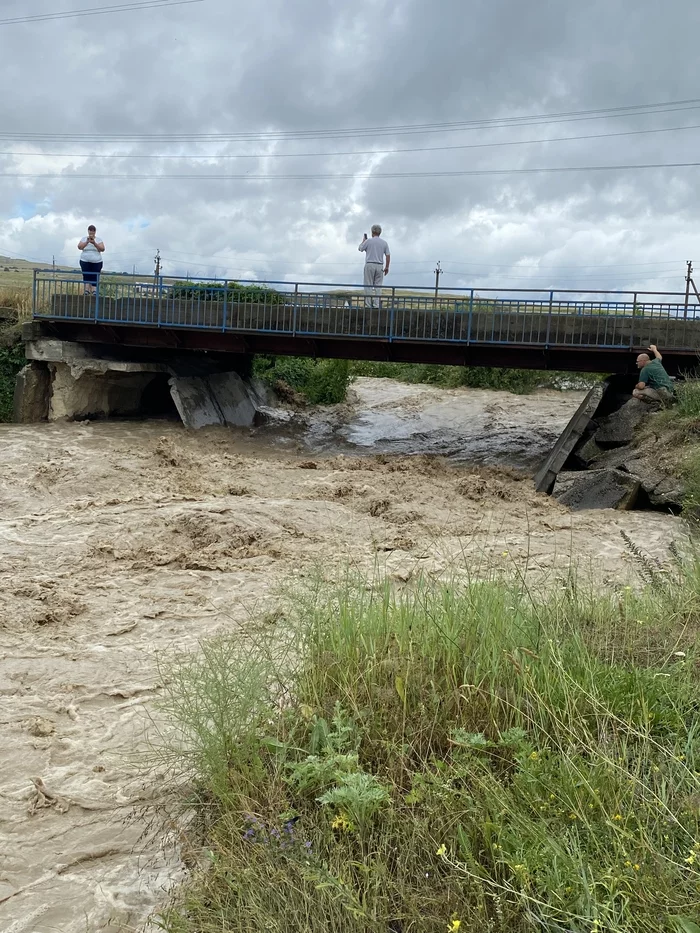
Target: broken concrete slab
620 427
234 399
222 398
194 401
597 489
32 393
570 436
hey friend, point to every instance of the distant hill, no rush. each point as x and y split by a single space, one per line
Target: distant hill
8 264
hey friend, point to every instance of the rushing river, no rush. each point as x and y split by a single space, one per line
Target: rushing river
120 541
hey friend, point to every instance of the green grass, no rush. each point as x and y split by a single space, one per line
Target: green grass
320 382
13 309
679 426
11 361
468 756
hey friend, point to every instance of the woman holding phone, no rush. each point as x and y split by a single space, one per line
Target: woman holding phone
91 247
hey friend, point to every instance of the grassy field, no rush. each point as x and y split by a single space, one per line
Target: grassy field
466 757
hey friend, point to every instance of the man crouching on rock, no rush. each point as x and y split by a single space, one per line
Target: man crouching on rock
654 382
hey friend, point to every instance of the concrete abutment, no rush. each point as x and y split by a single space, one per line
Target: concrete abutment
64 380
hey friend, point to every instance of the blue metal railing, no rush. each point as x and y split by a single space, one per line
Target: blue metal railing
526 317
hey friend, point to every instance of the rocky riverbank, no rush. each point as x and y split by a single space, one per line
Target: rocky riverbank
624 460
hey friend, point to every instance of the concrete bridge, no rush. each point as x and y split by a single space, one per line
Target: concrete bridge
200 327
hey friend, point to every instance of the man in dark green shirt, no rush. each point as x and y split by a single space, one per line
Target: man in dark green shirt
654 382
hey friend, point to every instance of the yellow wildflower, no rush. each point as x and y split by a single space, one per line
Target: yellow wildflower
617 818
342 823
636 867
442 851
454 926
534 756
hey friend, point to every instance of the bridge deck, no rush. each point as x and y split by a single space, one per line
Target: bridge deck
577 335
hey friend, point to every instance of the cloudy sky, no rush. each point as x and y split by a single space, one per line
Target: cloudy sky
112 106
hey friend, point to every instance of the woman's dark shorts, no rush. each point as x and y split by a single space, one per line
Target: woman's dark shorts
90 271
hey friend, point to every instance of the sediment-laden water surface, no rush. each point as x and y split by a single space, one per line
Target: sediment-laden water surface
123 541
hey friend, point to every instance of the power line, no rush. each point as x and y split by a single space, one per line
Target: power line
599 265
399 129
97 11
355 175
663 274
350 152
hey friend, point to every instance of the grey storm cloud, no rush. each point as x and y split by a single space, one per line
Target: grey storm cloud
227 67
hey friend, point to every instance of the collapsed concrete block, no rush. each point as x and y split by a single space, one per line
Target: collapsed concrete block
597 489
32 392
194 401
620 427
234 398
222 398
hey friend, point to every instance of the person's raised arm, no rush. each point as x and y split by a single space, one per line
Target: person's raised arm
363 245
655 351
100 246
83 243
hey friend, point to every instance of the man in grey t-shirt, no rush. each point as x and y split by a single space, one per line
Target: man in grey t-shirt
376 252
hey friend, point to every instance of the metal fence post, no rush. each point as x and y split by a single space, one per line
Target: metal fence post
34 294
549 319
294 309
97 298
392 310
469 318
633 321
224 316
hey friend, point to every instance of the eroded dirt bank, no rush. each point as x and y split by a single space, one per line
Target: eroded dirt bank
120 542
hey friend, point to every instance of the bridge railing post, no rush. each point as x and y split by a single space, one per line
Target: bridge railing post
97 297
34 286
549 319
224 315
469 318
392 312
294 309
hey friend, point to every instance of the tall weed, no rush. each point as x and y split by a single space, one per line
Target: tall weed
472 756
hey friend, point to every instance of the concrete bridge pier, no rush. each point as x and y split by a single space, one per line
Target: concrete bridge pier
64 380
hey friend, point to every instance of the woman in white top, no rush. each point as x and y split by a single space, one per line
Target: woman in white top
91 247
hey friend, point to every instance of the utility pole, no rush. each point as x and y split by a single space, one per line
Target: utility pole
438 273
690 283
157 263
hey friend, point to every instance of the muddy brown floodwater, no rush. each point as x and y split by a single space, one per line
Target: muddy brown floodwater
123 541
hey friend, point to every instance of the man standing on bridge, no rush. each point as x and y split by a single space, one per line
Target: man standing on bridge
375 251
654 382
